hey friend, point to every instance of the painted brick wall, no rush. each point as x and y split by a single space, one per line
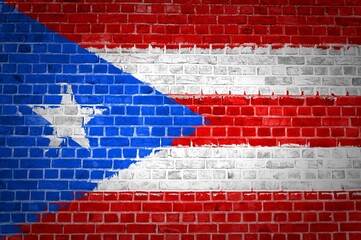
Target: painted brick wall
148 119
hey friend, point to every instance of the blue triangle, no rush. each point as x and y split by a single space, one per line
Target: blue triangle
34 63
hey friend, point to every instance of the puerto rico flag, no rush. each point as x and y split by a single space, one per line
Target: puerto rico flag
180 120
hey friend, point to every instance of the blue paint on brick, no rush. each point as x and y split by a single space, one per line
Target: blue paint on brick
102 121
114 142
85 69
33 207
54 185
159 121
20 152
142 131
69 68
52 99
35 120
22 130
117 89
36 131
18 218
23 58
54 68
133 110
82 174
101 89
6 174
101 68
37 196
86 89
83 153
36 152
26 99
9 110
4 218
52 152
66 163
24 48
129 121
39 89
68 152
191 121
5 130
21 184
20 174
36 174
51 174
35 163
8 195
24 68
89 99
9 89
118 100
20 141
52 196
136 119
130 89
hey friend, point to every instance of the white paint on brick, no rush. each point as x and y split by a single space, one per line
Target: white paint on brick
242 168
67 119
247 69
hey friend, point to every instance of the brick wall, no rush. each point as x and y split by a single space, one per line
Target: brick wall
173 120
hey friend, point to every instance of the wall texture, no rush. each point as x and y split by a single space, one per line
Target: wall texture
168 119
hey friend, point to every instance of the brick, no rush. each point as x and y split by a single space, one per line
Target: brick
249 121
172 228
277 122
339 206
347 21
269 20
247 206
352 101
233 228
125 206
335 122
79 228
97 206
187 207
323 227
157 207
264 101
202 228
306 122
283 206
232 19
141 228
294 227
323 143
291 60
308 206
321 101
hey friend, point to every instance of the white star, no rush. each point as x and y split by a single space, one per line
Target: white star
67 119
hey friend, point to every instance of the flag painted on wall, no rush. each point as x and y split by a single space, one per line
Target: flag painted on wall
201 120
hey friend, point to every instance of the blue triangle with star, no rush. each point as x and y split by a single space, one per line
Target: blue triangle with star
134 119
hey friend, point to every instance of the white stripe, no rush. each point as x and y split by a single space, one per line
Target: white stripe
250 70
242 168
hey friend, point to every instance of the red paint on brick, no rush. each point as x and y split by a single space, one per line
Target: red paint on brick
274 121
232 215
118 23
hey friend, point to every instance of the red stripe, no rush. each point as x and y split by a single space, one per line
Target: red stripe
273 121
204 215
114 23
